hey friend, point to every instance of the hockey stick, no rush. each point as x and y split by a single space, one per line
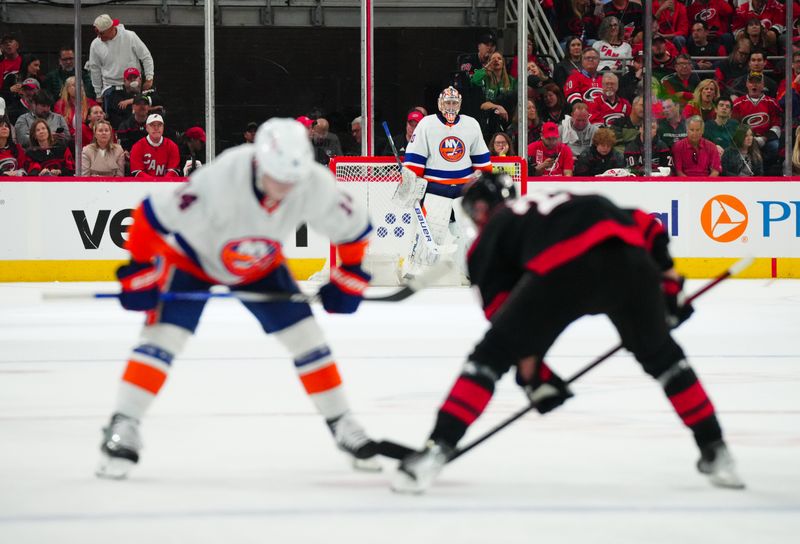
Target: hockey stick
737 267
423 223
423 281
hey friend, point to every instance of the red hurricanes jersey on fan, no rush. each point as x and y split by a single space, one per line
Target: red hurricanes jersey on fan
716 13
603 112
157 161
581 87
760 114
771 15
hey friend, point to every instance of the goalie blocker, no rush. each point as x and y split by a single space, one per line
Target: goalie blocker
541 263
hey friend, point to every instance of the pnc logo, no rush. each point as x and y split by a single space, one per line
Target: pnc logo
452 149
724 218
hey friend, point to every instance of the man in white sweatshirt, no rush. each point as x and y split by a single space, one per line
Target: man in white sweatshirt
113 51
576 130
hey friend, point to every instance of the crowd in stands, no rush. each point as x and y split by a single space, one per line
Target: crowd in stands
123 120
718 87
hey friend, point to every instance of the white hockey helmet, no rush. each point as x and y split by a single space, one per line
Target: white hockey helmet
283 150
450 103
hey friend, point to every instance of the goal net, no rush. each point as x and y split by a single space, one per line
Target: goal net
371 181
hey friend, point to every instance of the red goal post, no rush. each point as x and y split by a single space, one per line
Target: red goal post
371 181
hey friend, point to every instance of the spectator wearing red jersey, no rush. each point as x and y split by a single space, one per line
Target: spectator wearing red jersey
715 13
608 106
53 157
65 106
583 85
672 21
694 155
531 56
155 156
549 156
763 114
13 159
771 14
11 63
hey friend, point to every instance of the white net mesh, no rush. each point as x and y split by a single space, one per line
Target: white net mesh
371 181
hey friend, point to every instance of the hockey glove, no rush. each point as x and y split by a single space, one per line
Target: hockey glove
346 289
139 286
678 310
545 390
410 190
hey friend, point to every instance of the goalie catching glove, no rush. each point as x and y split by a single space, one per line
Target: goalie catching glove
410 190
139 283
346 289
545 389
678 310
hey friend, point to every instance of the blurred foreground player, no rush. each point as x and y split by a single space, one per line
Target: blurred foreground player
224 228
541 263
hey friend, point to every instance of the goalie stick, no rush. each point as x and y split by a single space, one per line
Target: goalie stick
398 451
423 223
423 281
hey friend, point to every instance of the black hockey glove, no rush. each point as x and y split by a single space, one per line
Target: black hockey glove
139 286
346 289
546 390
678 310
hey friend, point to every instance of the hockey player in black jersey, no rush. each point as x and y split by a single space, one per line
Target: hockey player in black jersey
540 263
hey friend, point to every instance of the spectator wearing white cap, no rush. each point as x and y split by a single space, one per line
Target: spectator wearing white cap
155 156
113 51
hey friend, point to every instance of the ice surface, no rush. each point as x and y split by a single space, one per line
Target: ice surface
235 454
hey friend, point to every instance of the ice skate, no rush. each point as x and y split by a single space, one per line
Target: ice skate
351 439
417 471
716 463
120 447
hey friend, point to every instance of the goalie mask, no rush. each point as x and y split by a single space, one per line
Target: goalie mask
450 104
484 194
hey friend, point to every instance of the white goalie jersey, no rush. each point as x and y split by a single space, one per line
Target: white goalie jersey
226 226
447 153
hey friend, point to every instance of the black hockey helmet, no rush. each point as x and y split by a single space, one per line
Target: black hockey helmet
489 188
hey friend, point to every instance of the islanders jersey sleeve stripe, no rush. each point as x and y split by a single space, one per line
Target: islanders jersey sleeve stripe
480 161
415 159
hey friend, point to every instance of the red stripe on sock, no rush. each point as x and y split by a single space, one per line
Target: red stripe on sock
459 412
471 394
700 415
689 399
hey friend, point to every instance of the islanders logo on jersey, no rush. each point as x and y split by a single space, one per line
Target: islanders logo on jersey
452 149
251 256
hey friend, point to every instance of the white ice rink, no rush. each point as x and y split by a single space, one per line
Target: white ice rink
235 454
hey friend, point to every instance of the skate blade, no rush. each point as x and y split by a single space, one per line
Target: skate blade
371 464
404 484
114 468
726 481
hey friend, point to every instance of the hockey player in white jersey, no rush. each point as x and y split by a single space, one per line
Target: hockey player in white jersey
442 155
225 226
